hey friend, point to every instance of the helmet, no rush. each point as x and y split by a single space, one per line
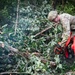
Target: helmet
52 15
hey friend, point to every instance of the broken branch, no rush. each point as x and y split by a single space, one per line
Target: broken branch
45 29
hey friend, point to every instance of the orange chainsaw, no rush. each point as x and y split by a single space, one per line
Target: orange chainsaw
69 45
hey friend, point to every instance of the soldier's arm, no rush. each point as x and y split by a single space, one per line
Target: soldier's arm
65 23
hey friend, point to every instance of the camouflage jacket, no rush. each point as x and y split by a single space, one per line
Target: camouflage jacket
66 20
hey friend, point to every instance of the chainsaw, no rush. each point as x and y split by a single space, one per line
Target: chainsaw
67 48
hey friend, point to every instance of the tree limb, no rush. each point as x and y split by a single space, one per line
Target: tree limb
45 30
17 16
27 54
3 73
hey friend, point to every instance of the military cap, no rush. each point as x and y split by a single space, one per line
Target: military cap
52 15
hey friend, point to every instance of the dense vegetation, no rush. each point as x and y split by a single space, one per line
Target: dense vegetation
20 21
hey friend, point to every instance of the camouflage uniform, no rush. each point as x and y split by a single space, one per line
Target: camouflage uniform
66 20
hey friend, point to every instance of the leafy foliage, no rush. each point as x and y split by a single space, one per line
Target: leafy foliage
68 8
32 19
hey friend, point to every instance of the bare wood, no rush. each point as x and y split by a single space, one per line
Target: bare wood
2 73
13 49
45 30
17 16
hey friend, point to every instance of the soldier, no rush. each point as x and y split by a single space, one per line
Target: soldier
66 20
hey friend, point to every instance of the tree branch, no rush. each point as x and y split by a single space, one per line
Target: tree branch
3 73
27 54
17 16
45 30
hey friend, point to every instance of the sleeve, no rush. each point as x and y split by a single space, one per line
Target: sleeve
66 28
65 24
